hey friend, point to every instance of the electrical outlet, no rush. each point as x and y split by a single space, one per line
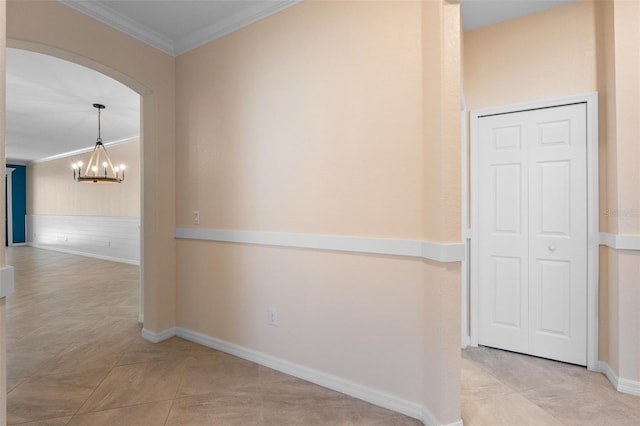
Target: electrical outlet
273 317
196 217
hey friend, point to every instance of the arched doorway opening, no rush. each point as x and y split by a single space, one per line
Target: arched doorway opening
37 225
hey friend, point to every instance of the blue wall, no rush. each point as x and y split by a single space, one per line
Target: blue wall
19 188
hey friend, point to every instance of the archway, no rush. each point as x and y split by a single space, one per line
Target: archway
54 29
50 125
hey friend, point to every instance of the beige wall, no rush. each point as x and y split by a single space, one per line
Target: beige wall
441 70
51 189
546 55
308 121
620 24
311 121
52 28
326 119
578 48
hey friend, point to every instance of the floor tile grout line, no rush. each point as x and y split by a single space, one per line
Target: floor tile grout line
169 412
92 392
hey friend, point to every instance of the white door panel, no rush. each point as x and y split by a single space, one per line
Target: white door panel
533 232
504 217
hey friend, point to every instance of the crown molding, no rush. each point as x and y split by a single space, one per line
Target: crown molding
230 24
132 28
121 23
83 150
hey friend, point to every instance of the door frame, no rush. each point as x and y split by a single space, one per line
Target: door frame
591 102
9 203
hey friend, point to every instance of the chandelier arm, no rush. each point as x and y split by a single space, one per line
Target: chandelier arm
95 173
106 154
93 154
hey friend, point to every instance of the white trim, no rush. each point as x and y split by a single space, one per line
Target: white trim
620 241
429 420
121 23
85 254
102 237
7 281
135 29
141 318
154 337
83 150
230 24
464 225
373 396
591 101
440 252
9 199
631 387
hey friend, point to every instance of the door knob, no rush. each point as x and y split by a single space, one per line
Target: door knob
552 247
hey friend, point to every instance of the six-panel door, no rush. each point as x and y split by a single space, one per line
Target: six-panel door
533 232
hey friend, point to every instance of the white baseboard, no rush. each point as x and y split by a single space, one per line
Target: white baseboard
373 396
429 420
153 337
465 342
80 253
631 387
356 390
7 281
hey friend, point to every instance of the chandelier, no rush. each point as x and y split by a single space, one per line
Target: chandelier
94 173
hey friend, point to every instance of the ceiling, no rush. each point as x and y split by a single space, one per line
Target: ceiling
481 13
49 101
50 111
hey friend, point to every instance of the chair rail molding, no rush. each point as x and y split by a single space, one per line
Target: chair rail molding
430 250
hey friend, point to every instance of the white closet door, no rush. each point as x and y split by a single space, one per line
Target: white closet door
533 232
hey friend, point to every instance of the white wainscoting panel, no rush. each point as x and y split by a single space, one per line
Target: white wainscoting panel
110 238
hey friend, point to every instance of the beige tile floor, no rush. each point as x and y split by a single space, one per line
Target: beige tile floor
501 388
75 357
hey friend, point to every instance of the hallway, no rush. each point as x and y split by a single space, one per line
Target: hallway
501 388
75 357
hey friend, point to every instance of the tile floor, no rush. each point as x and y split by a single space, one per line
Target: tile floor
501 388
75 357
